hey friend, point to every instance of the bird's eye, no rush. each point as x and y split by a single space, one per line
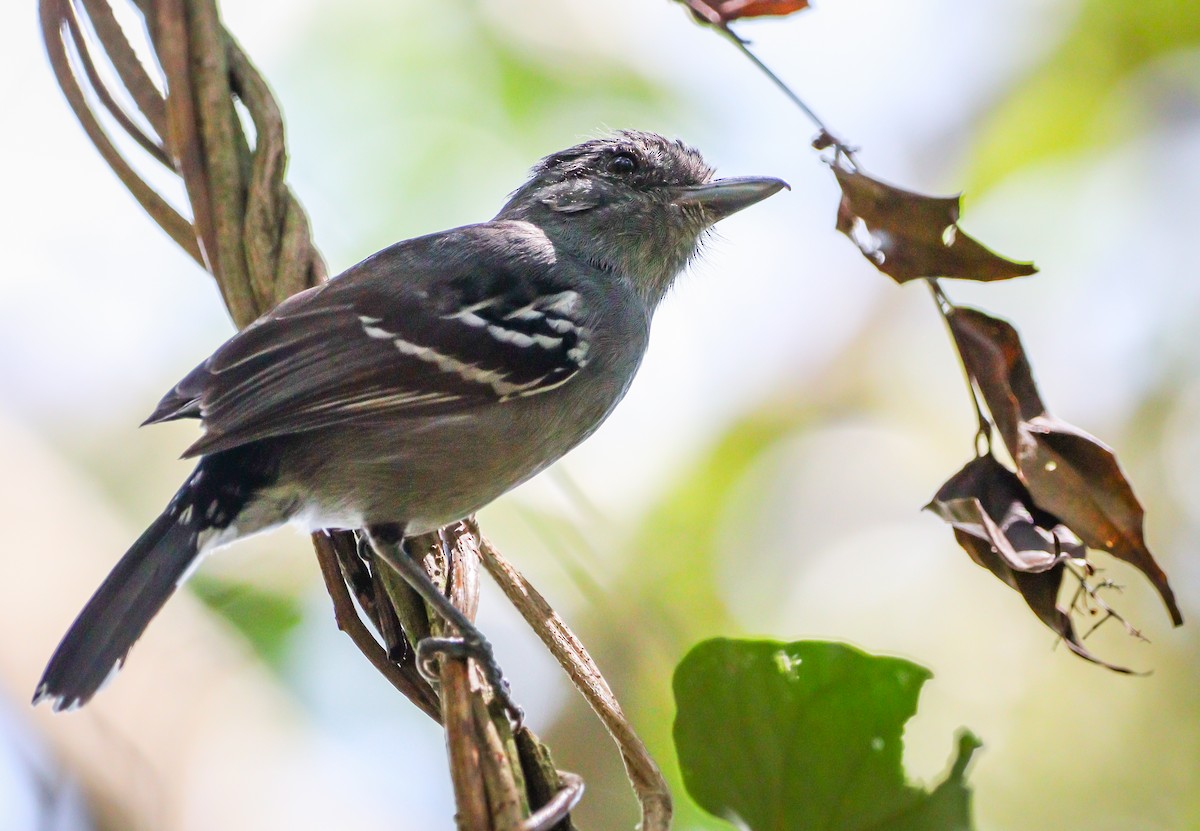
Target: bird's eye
622 163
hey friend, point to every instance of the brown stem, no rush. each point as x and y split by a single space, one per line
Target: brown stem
507 801
183 140
556 791
707 16
53 14
457 574
129 68
644 775
557 809
220 139
83 50
983 435
349 622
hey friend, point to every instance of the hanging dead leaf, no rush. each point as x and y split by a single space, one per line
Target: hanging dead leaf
720 12
997 523
1076 476
994 358
1069 473
907 235
987 501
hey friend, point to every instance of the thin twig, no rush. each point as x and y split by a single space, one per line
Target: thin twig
349 622
826 138
559 807
644 775
742 46
221 138
506 800
1092 593
83 50
463 745
983 435
53 14
182 135
129 68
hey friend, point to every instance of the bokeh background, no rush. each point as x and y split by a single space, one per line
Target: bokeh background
766 472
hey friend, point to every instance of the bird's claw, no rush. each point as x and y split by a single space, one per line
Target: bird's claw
430 650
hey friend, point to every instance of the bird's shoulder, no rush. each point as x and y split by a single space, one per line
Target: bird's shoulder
510 261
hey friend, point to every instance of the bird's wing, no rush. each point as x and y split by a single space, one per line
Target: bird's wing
427 327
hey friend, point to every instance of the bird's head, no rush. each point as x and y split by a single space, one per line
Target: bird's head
634 203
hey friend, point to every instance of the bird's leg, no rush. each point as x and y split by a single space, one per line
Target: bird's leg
391 546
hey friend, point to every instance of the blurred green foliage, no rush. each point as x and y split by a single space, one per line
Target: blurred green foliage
432 106
1086 94
266 618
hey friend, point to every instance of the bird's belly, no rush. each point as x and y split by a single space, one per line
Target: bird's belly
429 472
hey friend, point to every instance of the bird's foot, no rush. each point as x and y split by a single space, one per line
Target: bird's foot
430 650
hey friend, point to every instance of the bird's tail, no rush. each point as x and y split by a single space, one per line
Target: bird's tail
198 518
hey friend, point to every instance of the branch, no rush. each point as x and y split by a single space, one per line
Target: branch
249 231
647 780
416 690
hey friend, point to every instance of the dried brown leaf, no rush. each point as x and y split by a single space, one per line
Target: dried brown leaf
1076 476
723 11
997 523
985 500
994 358
1070 473
908 235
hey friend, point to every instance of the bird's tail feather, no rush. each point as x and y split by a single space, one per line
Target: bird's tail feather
95 646
119 612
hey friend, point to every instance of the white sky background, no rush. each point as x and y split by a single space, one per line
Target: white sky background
100 312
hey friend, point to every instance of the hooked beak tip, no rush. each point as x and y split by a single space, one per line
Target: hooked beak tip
724 197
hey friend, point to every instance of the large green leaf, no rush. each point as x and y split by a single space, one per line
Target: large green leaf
792 736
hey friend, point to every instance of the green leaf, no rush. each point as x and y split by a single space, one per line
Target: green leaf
786 737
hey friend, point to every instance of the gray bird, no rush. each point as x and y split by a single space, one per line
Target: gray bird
419 385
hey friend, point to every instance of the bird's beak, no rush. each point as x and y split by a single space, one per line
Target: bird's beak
723 197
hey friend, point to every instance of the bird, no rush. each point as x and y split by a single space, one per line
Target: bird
421 384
